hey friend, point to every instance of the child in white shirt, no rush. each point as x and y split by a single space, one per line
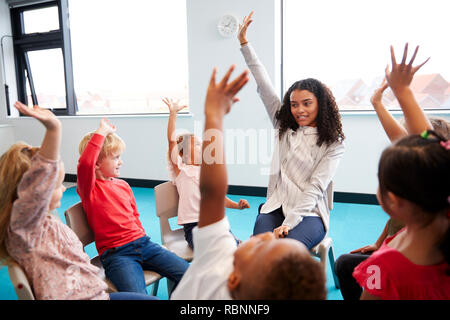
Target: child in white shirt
262 267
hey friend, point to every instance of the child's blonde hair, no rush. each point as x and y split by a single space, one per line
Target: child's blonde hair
13 164
111 144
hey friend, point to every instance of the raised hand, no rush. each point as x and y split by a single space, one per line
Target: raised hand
221 96
377 96
45 116
105 127
174 105
242 33
402 74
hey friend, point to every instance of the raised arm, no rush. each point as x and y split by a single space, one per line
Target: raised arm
34 192
213 175
88 159
174 107
399 79
392 127
265 89
52 139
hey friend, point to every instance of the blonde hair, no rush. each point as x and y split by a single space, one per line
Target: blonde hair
111 144
13 164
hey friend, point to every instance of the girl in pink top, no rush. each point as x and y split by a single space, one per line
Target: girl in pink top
185 158
414 176
31 186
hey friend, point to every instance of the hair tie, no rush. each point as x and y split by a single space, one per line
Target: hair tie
446 144
425 134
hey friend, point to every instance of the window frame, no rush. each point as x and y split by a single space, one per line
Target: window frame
54 39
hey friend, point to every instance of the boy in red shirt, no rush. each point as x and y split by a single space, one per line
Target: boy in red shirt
124 248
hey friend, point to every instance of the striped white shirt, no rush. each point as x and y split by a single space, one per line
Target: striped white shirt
300 171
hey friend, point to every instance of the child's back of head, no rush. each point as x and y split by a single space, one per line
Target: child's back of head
282 269
13 164
417 168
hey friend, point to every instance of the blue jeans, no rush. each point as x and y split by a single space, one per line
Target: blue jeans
130 296
309 232
124 265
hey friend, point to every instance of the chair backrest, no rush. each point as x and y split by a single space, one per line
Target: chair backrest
330 195
166 198
20 281
76 220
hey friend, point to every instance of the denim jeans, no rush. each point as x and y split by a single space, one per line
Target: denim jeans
309 232
130 296
124 265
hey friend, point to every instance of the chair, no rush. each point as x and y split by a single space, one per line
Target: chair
324 250
76 219
20 281
166 197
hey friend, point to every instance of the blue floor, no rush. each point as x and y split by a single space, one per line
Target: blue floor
352 226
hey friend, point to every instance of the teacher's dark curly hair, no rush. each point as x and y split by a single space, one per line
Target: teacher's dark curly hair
328 119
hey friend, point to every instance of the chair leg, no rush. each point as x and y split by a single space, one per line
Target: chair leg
155 287
333 271
170 286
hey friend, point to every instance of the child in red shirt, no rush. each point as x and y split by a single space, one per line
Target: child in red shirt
414 188
124 249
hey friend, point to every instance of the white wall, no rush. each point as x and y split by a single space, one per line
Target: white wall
146 136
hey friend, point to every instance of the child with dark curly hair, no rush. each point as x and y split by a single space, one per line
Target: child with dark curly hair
307 153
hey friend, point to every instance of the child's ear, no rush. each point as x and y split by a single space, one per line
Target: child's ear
395 200
233 281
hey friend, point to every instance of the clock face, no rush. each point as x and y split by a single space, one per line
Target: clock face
227 25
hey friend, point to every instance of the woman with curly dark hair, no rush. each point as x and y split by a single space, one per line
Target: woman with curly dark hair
307 153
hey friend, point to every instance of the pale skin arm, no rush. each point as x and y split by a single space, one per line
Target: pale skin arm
52 139
399 79
391 126
174 107
242 204
105 127
213 175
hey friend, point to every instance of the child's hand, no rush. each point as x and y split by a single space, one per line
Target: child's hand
377 96
45 116
243 204
281 232
365 249
174 106
221 96
242 33
401 75
106 127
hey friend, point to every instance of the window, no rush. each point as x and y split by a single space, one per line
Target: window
345 44
117 58
126 57
42 56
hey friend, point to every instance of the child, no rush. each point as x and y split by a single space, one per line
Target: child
49 251
309 148
412 264
124 249
184 156
346 263
262 267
